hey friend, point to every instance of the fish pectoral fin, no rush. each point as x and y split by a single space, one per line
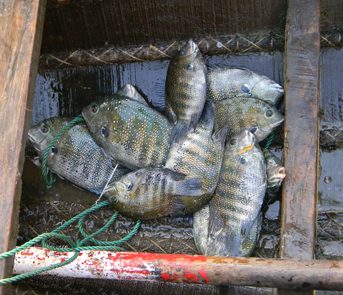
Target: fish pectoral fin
220 136
207 117
178 206
178 133
172 118
190 187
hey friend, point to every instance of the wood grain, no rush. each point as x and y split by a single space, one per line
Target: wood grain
298 210
21 24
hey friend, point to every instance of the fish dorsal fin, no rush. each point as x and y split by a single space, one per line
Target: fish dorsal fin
131 92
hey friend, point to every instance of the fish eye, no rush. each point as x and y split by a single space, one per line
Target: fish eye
233 141
54 150
182 52
189 67
271 162
44 129
94 108
104 131
253 130
129 187
269 113
114 200
245 88
243 161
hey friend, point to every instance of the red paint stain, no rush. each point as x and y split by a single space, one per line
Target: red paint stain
166 276
203 274
190 277
62 260
143 272
155 256
40 258
26 253
80 254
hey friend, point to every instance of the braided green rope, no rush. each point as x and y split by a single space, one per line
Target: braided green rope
79 118
270 139
76 247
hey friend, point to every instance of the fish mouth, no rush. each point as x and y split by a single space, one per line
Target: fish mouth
190 48
280 174
114 189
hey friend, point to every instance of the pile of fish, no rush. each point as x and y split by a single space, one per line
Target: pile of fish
204 158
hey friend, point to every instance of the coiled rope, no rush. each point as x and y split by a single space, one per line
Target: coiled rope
78 245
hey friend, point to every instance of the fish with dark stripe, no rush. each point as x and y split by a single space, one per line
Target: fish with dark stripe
199 154
243 113
151 193
225 83
238 198
75 156
129 131
185 89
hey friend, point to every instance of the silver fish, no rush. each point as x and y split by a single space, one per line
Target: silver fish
224 83
75 156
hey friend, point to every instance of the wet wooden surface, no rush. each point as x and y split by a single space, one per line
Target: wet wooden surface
21 24
298 217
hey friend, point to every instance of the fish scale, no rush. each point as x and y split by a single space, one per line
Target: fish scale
242 113
238 197
138 136
77 157
151 192
185 89
225 83
199 154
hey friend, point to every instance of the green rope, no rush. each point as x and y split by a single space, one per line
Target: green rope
75 247
79 118
270 139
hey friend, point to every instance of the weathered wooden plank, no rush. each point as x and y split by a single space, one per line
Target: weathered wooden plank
298 217
21 24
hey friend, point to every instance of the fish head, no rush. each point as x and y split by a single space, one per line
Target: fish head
275 171
191 48
267 121
240 145
268 90
99 112
43 133
242 141
189 58
118 194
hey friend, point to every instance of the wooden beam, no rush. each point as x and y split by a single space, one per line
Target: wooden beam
21 25
299 203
